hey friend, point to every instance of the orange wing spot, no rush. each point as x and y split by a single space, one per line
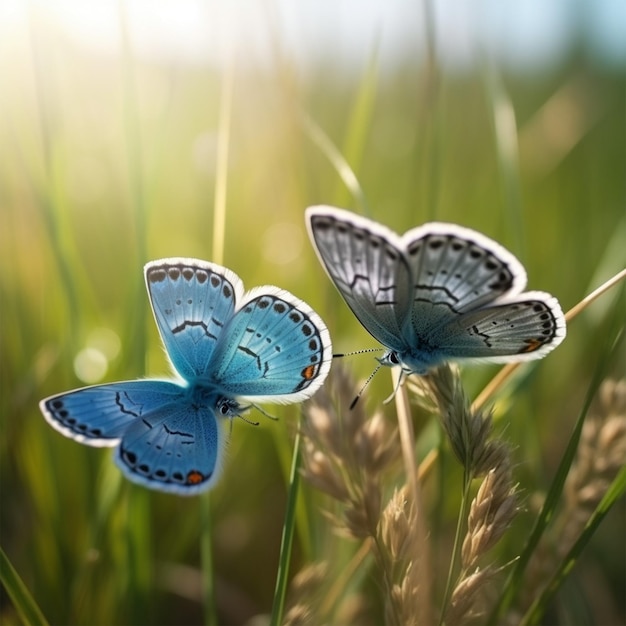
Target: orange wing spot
194 477
308 372
533 344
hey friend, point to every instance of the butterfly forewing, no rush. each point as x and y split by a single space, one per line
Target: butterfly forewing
455 270
367 267
192 301
276 348
99 415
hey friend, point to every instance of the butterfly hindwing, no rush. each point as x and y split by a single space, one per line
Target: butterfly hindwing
192 301
99 415
527 326
364 261
177 449
276 348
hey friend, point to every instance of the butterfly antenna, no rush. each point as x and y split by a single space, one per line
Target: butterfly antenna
367 382
240 410
264 412
246 420
342 354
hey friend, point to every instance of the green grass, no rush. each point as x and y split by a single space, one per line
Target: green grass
105 164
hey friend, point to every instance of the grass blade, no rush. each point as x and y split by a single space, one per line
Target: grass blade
286 543
337 160
206 552
614 493
23 602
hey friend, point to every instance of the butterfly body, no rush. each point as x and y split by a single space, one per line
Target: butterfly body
229 349
439 292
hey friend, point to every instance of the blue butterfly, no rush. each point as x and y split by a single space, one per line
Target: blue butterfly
438 293
229 349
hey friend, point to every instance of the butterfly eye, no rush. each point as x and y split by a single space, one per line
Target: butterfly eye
227 407
393 358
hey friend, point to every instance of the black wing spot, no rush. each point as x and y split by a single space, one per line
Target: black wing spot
157 275
130 457
391 254
414 248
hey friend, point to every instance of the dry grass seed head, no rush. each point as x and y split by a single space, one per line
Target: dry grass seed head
467 599
345 452
491 513
305 593
398 550
599 458
468 431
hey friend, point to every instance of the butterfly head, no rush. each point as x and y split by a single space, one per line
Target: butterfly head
392 358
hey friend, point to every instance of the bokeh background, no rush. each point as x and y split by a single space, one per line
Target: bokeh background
505 117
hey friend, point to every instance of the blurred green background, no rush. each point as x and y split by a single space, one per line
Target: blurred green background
109 141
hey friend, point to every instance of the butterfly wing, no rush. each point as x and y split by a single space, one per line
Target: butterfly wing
455 270
275 348
169 439
365 261
99 415
176 449
517 328
192 301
